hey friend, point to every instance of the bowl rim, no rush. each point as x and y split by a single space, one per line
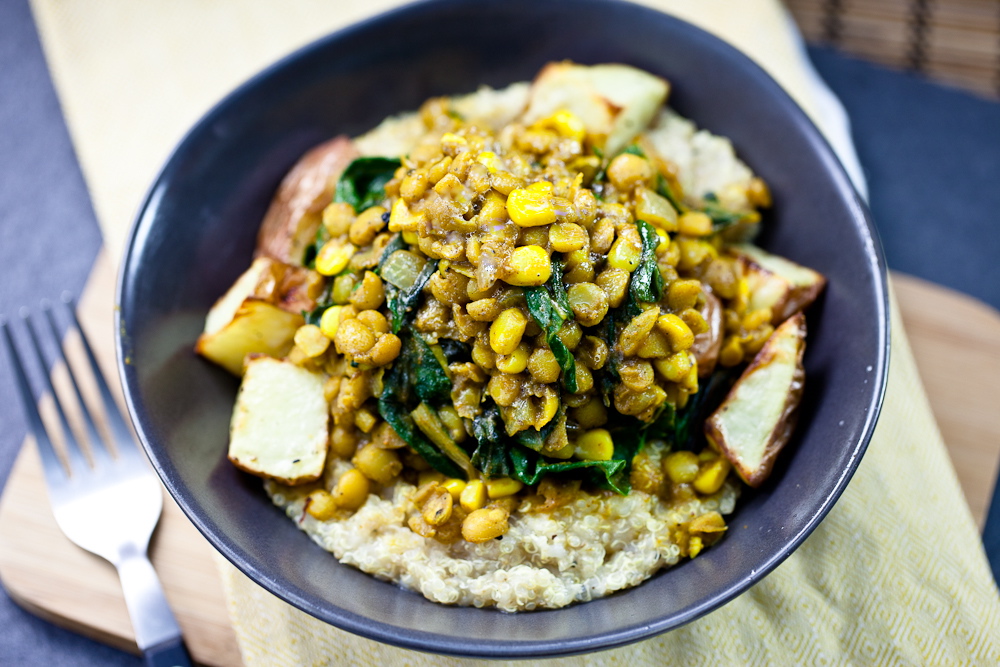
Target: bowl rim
513 649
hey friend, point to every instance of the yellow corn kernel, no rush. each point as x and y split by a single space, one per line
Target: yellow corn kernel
516 361
664 244
411 238
428 476
507 330
320 505
310 339
352 489
528 266
541 187
334 256
403 220
707 454
502 487
676 330
566 124
675 367
567 237
712 475
681 467
455 487
732 352
695 545
473 496
490 160
683 294
529 207
624 254
595 445
694 223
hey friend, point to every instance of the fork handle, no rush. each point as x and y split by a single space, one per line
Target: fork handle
168 654
156 629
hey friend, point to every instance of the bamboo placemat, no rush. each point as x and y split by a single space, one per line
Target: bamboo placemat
952 41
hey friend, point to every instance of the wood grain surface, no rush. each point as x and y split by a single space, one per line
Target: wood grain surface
956 341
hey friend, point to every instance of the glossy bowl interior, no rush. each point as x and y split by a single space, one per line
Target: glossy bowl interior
196 230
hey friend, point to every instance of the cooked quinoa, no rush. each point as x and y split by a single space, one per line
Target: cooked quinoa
589 548
480 344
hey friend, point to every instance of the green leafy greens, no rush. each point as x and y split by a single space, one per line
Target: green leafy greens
647 283
416 376
549 307
498 455
721 217
362 185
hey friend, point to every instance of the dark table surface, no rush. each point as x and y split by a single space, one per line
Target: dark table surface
931 156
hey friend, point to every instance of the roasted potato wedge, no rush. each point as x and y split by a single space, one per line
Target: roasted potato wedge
614 102
259 313
403 134
295 213
707 345
280 423
757 417
777 283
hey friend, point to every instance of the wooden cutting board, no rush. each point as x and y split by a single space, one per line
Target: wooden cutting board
955 339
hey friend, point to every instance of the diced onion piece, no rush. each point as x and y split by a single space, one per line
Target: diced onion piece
402 268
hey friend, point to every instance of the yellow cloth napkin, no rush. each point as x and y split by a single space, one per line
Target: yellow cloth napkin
895 574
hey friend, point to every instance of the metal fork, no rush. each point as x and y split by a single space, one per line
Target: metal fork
109 507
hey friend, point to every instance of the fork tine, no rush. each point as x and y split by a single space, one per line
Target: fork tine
74 455
120 432
54 470
98 447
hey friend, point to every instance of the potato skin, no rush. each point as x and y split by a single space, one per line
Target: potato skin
707 345
754 475
769 287
259 313
291 222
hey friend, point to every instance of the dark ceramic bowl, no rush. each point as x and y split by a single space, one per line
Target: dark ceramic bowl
196 230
